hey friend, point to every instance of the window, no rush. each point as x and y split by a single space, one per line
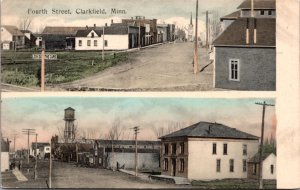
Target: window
182 148
254 169
89 43
92 34
166 149
181 169
272 169
244 149
105 43
80 42
231 165
269 12
174 148
166 164
95 43
244 165
225 149
262 12
145 146
218 165
47 149
214 148
234 70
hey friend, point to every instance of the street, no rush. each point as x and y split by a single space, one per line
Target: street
165 67
67 175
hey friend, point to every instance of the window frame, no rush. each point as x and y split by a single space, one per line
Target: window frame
88 43
218 165
166 148
225 149
244 165
270 12
231 165
181 165
245 149
214 148
80 43
95 43
182 148
262 12
105 43
173 148
235 62
272 169
166 164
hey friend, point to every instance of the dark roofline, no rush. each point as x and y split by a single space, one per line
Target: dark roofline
252 139
246 46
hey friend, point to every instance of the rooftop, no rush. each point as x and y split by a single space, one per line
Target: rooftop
232 16
13 30
255 158
61 30
258 4
210 130
235 34
128 142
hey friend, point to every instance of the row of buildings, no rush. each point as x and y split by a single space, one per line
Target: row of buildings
244 53
202 151
130 33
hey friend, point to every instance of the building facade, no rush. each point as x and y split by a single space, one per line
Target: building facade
269 166
11 38
206 151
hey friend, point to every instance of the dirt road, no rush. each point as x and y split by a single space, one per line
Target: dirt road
168 66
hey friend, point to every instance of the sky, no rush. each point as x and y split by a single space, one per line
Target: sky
168 11
45 114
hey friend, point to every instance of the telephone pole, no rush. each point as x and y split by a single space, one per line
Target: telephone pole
103 41
28 132
264 104
50 166
196 42
43 67
136 131
35 167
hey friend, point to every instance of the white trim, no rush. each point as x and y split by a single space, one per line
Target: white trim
238 69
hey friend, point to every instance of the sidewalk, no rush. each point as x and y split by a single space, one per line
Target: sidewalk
139 175
19 175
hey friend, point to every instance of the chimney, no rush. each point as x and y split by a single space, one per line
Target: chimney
255 35
247 32
209 129
252 8
112 21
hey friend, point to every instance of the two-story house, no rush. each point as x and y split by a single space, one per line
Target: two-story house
245 52
11 38
205 151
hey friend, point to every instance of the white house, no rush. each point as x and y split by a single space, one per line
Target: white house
11 37
43 148
4 155
269 166
207 151
116 37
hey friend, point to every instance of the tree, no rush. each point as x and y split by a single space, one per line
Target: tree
215 26
25 22
171 127
115 133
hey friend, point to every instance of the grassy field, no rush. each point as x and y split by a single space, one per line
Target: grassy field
233 184
20 69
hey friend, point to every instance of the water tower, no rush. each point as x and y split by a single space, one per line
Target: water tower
69 132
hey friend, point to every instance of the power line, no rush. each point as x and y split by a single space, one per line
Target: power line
136 131
264 104
28 132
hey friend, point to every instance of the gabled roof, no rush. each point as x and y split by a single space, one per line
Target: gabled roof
232 16
61 30
235 34
84 33
258 4
255 158
39 144
13 30
69 108
210 130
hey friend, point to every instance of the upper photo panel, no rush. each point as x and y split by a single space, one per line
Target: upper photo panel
138 45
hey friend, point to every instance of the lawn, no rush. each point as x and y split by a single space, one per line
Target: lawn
20 69
233 184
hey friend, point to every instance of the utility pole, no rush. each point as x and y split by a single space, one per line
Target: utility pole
264 104
140 35
28 132
35 167
196 42
103 41
50 165
43 67
206 29
136 131
252 8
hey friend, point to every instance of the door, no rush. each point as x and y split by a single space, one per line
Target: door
173 166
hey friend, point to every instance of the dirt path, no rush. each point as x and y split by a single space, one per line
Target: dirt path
168 66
